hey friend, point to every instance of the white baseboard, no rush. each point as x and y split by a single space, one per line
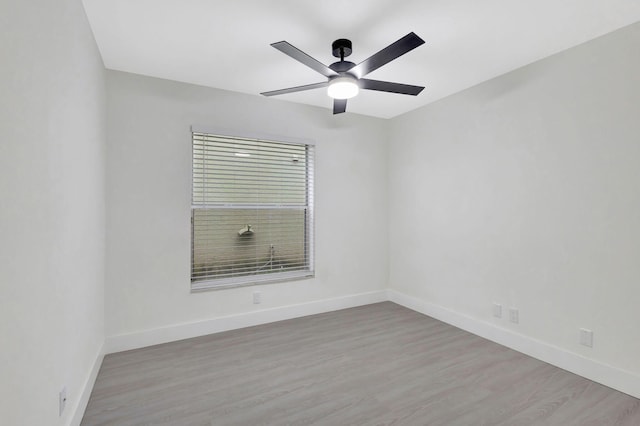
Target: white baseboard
83 398
172 333
607 375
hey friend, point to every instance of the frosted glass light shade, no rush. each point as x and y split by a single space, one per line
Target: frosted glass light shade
343 88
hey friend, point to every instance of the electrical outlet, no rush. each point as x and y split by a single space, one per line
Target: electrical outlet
497 310
257 297
514 315
62 400
586 337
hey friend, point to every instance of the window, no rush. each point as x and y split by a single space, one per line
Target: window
251 211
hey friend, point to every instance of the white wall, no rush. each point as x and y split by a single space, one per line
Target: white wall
149 190
52 135
525 190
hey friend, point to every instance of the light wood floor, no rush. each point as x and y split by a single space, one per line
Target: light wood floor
379 364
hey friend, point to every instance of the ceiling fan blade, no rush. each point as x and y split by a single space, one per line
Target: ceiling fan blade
339 106
302 57
386 86
296 89
386 55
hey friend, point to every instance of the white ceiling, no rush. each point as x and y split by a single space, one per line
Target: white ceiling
225 44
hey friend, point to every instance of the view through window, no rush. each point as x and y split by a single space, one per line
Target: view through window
252 211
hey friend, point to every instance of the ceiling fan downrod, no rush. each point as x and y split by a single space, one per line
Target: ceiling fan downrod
342 48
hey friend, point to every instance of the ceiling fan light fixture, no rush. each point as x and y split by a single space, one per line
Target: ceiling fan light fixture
343 87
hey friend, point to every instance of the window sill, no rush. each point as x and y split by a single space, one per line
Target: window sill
234 282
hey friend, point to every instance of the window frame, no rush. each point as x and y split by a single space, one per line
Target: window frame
309 226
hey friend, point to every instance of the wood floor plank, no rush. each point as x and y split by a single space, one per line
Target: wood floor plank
379 364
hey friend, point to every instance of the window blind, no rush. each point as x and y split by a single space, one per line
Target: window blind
252 211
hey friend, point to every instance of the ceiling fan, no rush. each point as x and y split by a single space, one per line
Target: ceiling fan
344 78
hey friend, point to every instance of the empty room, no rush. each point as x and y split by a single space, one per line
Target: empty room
319 213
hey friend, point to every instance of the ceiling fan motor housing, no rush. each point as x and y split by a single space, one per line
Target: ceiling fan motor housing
342 66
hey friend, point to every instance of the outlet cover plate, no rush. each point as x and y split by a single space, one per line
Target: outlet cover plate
497 310
62 400
514 315
586 337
